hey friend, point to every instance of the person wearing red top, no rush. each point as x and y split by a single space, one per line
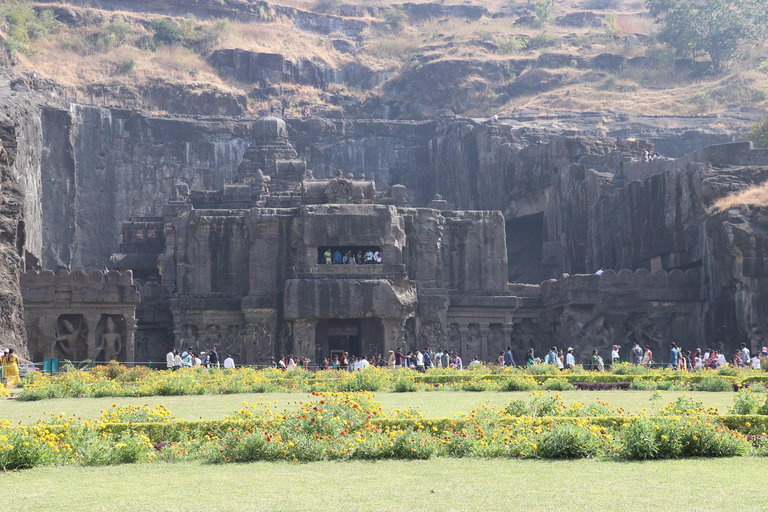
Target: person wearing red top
398 358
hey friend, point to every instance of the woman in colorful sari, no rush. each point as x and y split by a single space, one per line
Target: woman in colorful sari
11 369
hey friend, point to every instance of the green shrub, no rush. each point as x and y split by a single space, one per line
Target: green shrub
558 385
23 25
541 40
394 18
510 45
516 408
404 382
759 135
568 441
519 384
744 402
714 384
479 385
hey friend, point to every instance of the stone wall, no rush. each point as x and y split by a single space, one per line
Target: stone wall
80 316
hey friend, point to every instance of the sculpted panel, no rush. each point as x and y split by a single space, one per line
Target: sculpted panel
71 338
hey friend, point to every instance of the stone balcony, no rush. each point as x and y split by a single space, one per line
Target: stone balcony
375 271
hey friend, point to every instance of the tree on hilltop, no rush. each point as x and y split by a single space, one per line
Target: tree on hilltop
718 28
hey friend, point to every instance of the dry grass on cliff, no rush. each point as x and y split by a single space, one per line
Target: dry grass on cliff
753 196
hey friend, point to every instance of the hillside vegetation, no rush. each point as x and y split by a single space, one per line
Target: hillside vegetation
370 59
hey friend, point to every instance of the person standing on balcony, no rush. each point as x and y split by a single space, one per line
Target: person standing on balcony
377 257
327 256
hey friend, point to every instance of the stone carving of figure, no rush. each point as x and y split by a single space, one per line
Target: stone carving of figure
303 338
641 329
212 337
66 343
285 337
190 340
111 342
523 337
432 334
454 338
234 341
262 341
473 340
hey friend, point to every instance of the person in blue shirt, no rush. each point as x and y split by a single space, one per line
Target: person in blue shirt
508 359
674 356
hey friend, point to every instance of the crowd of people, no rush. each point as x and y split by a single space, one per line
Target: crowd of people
679 359
176 359
369 257
422 360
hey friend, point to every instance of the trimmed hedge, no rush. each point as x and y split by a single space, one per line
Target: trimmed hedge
187 429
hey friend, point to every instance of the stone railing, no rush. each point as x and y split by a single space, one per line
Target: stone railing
380 271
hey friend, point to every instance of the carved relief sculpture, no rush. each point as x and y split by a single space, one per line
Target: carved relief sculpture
70 337
111 342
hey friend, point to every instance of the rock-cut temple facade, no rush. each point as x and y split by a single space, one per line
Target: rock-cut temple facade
246 269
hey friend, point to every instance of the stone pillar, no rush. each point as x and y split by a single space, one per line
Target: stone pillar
92 321
393 329
304 337
485 332
130 339
464 341
507 329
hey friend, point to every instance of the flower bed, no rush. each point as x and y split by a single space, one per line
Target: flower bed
346 426
118 380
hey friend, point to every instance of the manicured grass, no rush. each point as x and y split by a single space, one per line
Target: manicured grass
432 404
437 484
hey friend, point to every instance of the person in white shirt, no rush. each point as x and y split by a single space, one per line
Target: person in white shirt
744 353
291 364
419 361
756 362
614 353
570 361
176 360
377 257
721 362
362 363
169 360
229 362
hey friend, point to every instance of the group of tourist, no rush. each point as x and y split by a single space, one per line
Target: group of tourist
370 257
679 359
9 362
648 156
176 360
422 360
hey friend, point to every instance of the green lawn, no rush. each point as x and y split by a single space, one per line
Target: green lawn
437 484
431 403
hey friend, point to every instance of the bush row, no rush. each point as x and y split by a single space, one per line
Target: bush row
344 426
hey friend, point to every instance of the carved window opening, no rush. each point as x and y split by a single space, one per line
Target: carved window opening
340 255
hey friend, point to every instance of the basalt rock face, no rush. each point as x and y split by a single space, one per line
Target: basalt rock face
561 203
12 330
738 262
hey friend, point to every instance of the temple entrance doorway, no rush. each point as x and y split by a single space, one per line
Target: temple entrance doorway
358 336
344 336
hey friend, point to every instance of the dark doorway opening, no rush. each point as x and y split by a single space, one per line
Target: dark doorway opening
344 336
